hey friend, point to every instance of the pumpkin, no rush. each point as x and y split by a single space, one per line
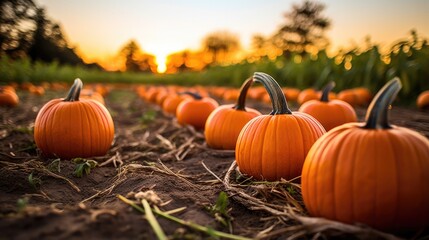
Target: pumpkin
8 97
73 127
329 113
195 111
225 123
90 94
37 90
274 146
356 96
372 173
307 95
363 96
161 96
423 100
169 106
231 94
291 94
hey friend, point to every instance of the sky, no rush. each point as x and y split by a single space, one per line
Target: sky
99 28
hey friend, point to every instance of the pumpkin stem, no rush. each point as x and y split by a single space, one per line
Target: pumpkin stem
192 94
275 92
326 90
377 114
241 101
74 92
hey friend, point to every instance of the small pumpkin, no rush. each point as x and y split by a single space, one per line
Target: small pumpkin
225 123
37 90
90 94
372 173
195 111
274 146
423 100
291 94
8 97
171 102
329 113
73 127
307 95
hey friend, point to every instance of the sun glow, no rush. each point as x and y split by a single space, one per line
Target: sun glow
161 61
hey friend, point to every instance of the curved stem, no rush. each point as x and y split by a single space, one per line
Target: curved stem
377 114
326 90
74 92
192 94
241 101
277 97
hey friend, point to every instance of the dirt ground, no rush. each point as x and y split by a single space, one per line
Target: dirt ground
43 198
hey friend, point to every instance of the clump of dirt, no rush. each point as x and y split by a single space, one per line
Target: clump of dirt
44 199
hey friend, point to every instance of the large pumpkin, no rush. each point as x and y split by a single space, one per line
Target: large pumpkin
195 111
372 173
329 113
225 123
274 146
73 127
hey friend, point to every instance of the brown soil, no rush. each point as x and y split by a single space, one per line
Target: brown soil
43 199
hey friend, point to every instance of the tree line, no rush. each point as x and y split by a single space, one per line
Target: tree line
26 31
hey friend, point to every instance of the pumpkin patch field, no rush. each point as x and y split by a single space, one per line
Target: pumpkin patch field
111 161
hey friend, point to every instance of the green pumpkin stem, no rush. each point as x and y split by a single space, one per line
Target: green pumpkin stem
326 90
74 92
275 92
377 114
194 95
241 101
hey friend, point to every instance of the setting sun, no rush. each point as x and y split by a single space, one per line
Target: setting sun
161 61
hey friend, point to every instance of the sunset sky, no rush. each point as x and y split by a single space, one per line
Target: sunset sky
99 28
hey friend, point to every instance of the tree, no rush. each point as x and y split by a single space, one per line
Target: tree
48 42
16 17
304 29
136 60
221 45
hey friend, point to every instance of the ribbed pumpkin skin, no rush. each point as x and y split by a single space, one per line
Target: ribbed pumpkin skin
195 112
330 114
376 177
81 128
271 147
224 125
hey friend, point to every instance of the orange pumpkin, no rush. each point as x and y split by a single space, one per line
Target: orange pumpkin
307 95
161 96
73 127
291 94
225 123
372 173
423 100
195 111
169 106
8 97
364 96
90 94
37 90
274 146
329 113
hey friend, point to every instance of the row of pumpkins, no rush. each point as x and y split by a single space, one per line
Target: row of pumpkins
372 172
